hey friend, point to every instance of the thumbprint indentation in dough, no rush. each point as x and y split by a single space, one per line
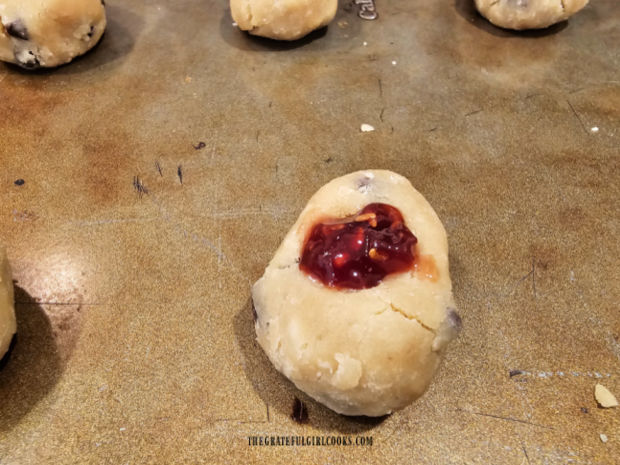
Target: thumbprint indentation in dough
359 251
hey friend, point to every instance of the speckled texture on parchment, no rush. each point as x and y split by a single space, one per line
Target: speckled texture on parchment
135 336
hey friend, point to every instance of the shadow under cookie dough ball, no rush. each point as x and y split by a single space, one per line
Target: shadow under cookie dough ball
528 14
48 33
283 19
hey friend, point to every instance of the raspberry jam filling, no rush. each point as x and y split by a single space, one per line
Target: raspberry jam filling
360 251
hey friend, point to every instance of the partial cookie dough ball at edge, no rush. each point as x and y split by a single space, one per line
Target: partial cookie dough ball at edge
528 14
284 19
366 352
8 324
49 33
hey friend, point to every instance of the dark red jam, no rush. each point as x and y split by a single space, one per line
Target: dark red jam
359 251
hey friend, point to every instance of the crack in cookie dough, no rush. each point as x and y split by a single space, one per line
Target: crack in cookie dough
400 311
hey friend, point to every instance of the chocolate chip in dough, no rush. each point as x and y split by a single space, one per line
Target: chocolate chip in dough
455 319
18 30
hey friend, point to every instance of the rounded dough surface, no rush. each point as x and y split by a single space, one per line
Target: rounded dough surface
360 352
7 311
47 33
282 19
528 14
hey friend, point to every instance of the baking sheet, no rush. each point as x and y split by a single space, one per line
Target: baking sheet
135 336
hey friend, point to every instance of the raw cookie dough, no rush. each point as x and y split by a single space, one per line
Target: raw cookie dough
47 33
360 352
7 312
282 19
528 14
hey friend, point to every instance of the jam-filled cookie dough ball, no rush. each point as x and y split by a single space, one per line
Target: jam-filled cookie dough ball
356 306
282 19
48 33
7 312
528 14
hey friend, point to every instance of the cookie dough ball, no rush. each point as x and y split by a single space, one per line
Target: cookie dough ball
7 312
282 19
47 33
528 14
372 346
